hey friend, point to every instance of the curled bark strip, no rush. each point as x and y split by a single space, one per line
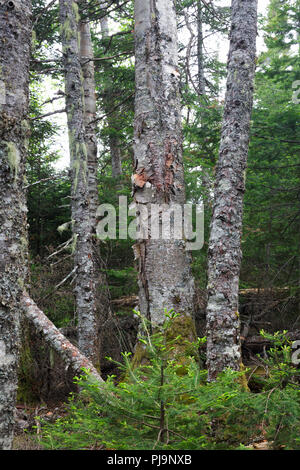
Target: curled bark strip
69 353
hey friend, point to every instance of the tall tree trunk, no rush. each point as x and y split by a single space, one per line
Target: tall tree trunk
201 78
165 280
81 219
224 253
87 56
15 42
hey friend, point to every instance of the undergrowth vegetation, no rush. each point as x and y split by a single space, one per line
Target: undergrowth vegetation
167 404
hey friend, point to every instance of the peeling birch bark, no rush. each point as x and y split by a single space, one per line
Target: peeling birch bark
15 43
83 245
224 252
71 355
165 279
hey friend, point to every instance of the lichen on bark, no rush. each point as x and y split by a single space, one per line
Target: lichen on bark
14 66
224 251
85 286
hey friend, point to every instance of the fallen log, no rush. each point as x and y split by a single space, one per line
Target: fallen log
70 354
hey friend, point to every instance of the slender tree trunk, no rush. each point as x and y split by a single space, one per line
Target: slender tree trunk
224 253
87 55
15 42
201 78
81 219
165 280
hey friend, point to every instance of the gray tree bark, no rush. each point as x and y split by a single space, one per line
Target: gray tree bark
87 56
201 78
15 43
165 280
224 253
90 108
85 284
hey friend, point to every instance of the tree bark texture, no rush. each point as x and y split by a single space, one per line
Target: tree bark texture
165 280
85 284
201 78
15 43
87 56
224 253
90 107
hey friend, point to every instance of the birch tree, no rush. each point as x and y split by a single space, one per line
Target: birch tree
15 43
84 267
224 252
165 280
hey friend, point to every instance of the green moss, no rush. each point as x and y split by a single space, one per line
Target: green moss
84 150
243 378
76 11
76 168
79 40
74 243
180 338
13 158
182 334
77 149
71 112
67 31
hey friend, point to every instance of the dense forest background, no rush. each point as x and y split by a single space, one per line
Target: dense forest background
271 260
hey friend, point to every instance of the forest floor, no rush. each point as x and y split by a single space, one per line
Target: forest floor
28 427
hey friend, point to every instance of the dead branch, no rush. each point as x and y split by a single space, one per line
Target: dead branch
56 340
